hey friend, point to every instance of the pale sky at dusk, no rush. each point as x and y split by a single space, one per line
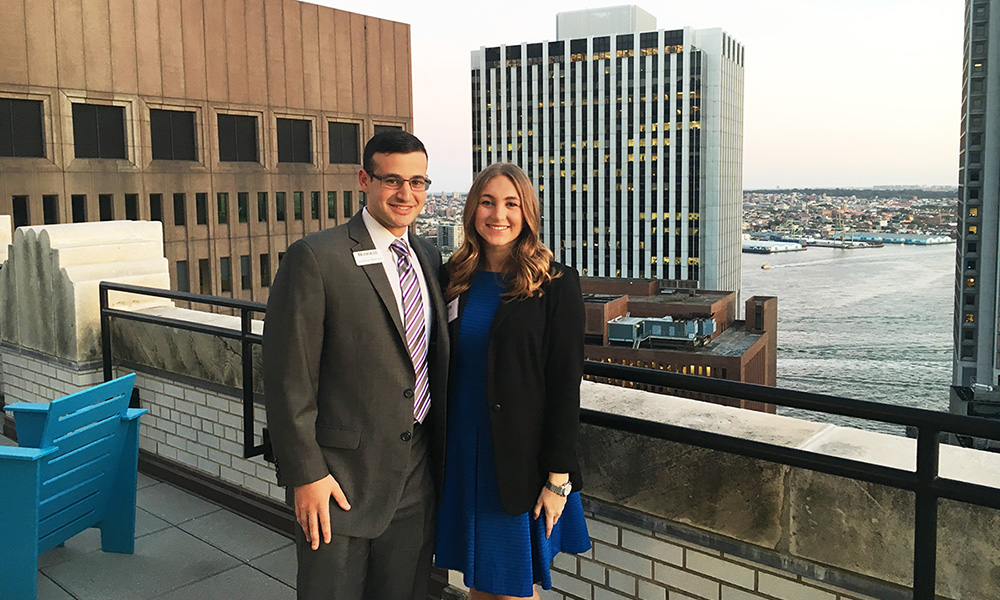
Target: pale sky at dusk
843 93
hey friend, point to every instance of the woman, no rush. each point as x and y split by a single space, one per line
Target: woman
516 320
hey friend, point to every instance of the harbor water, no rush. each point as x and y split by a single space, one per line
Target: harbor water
871 324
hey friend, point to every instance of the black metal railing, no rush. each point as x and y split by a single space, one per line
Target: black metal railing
925 482
245 336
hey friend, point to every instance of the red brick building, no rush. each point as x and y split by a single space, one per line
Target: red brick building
737 350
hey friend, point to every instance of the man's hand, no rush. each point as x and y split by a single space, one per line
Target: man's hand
312 508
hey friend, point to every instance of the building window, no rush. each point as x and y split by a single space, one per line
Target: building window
201 208
345 143
246 281
383 128
242 206
265 270
331 205
156 207
297 205
261 207
106 207
132 207
27 139
226 274
172 134
314 205
79 206
50 209
294 141
362 200
279 206
21 214
204 276
222 206
348 211
180 210
237 138
183 283
99 131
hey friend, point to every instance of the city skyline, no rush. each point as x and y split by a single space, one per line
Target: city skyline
845 94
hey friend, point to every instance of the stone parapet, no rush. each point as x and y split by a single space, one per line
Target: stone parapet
49 283
852 535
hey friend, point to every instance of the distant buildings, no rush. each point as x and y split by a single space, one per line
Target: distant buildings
633 137
976 375
240 130
450 235
651 324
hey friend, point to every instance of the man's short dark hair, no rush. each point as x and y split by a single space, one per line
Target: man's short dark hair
395 141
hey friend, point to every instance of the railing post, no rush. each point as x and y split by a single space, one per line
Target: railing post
105 332
926 513
245 328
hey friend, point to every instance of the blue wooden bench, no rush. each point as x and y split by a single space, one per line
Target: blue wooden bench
74 468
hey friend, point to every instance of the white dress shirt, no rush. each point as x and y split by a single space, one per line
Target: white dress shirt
383 238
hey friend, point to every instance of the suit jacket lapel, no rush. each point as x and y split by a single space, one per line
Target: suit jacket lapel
375 271
503 311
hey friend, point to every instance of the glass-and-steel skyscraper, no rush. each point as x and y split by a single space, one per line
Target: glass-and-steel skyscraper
977 288
634 140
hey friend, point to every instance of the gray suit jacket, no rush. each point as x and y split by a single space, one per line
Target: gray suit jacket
338 378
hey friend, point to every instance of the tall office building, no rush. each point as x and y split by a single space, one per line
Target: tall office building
977 287
633 138
236 123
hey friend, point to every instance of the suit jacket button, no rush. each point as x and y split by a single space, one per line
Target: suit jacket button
407 393
496 408
405 436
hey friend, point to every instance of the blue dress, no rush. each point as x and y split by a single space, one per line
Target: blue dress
497 552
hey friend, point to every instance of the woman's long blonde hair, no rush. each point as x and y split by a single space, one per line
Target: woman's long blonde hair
527 266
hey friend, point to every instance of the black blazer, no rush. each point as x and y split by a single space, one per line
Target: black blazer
534 368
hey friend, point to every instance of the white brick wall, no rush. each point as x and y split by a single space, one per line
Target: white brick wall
27 378
203 430
626 563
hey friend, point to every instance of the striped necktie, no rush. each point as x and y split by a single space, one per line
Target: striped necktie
413 323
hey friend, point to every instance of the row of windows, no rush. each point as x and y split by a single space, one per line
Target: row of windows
21 207
99 132
225 273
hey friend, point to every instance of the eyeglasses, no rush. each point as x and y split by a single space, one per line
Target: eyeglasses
394 182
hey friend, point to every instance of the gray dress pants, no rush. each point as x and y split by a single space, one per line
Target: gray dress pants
394 566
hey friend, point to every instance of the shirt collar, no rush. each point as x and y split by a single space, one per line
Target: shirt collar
381 236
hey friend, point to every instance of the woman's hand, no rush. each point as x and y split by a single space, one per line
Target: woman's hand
551 502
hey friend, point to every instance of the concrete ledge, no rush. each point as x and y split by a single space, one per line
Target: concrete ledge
832 522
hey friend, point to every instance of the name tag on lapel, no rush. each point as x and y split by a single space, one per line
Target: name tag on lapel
453 310
367 257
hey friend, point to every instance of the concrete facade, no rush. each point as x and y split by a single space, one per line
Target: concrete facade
977 277
264 59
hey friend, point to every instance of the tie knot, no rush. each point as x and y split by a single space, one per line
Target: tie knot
400 248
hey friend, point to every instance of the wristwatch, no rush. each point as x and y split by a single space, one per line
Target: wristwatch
563 490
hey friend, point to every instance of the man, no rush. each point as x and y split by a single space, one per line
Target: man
355 365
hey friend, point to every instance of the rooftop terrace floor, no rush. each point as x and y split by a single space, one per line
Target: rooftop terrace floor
185 547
